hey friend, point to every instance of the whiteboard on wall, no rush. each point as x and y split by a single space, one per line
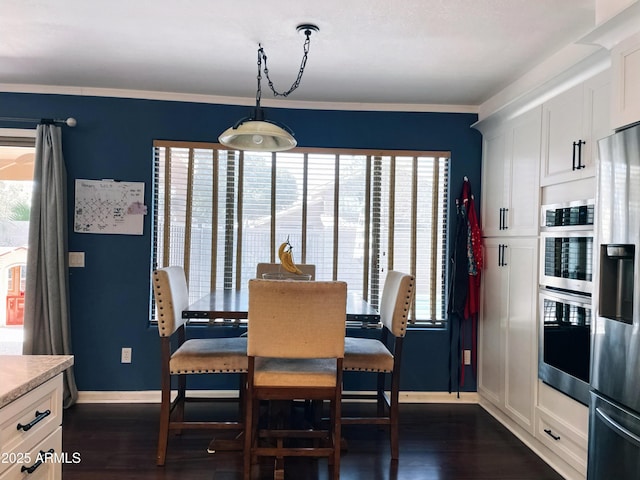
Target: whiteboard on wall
107 206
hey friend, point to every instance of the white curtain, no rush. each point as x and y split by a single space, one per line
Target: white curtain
46 314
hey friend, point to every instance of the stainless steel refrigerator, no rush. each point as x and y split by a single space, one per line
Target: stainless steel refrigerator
614 417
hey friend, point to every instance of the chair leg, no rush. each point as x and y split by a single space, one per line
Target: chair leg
380 394
248 435
393 417
242 390
181 399
165 413
337 437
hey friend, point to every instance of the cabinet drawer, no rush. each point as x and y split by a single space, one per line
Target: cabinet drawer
29 419
48 452
563 440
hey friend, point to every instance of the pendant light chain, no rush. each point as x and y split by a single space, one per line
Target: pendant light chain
255 133
296 83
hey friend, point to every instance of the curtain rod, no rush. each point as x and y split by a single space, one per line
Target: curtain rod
71 122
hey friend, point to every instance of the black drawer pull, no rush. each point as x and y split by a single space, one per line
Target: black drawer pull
550 433
39 417
33 467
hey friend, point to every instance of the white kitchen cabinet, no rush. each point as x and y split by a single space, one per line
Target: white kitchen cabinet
625 60
562 426
42 462
572 123
507 367
27 425
510 177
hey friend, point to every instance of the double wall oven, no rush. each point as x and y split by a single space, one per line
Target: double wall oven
566 283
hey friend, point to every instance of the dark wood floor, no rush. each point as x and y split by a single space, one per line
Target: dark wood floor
437 442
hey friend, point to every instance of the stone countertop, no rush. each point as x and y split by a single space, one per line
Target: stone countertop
20 374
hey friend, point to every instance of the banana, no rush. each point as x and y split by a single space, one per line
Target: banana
288 263
285 254
281 249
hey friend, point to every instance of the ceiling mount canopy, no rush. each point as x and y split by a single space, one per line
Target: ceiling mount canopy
255 132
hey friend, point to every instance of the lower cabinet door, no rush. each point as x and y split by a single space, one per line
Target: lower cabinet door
562 439
507 333
43 462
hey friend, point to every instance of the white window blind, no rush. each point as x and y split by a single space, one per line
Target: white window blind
354 214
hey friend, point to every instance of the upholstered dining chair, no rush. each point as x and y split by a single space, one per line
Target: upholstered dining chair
295 349
261 268
189 357
383 356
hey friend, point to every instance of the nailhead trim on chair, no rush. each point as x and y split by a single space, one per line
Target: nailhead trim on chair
160 307
407 305
366 370
235 370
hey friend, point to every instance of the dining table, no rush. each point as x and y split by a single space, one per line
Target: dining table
231 307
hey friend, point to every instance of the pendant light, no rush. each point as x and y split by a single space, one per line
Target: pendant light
254 132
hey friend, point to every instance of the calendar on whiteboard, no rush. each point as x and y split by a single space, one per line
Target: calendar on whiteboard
108 206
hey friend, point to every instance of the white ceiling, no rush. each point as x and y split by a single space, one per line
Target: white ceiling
420 52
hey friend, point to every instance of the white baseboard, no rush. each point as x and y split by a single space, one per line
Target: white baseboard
153 396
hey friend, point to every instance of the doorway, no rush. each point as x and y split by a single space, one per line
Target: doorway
17 156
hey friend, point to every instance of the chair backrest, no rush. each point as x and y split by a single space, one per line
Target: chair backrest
308 268
292 319
172 297
397 297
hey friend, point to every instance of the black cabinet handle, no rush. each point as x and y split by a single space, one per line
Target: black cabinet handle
580 143
503 219
500 220
33 467
501 248
579 164
39 417
504 249
550 433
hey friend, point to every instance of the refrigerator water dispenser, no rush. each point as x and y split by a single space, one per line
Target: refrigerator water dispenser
616 282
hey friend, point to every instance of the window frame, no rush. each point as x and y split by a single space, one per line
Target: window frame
372 284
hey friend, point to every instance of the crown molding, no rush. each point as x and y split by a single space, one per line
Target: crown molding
617 28
222 100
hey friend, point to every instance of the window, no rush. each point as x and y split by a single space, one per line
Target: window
354 214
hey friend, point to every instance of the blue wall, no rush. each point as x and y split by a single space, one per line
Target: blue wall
113 139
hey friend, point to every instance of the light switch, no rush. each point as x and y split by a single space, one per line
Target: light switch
76 259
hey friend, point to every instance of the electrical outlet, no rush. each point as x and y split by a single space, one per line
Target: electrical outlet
126 355
467 357
76 259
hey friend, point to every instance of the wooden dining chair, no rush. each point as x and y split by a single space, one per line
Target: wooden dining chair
383 356
189 357
261 268
295 349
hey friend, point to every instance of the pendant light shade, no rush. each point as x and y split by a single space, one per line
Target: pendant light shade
254 133
257 136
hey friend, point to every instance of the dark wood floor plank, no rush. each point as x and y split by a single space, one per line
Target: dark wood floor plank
437 442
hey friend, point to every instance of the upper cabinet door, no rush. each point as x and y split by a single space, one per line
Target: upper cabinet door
510 177
625 59
494 182
597 118
523 145
572 123
561 130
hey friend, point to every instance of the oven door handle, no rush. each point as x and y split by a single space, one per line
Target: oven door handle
618 428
